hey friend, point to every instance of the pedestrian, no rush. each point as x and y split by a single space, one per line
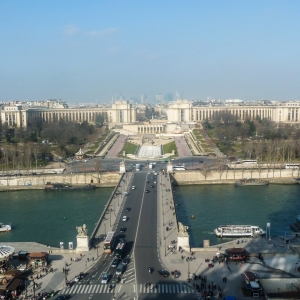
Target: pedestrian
88 259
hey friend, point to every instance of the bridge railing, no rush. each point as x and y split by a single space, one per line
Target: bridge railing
98 224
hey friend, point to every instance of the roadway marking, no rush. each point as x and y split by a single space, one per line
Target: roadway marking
138 224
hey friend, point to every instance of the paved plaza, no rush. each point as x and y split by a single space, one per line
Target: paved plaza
149 151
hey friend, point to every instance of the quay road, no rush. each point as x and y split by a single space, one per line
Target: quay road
113 164
143 231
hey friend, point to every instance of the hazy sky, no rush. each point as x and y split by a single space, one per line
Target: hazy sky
83 51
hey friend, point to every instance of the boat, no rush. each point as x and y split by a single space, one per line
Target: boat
238 231
67 187
296 225
4 228
251 181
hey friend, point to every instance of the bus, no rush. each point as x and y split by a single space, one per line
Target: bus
179 168
120 248
109 242
249 162
291 166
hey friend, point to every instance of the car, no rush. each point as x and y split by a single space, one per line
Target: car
115 262
154 182
152 177
122 229
163 273
152 186
147 191
121 236
124 219
105 278
126 261
148 181
133 187
128 209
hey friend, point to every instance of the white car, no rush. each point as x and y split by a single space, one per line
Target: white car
133 187
124 219
105 278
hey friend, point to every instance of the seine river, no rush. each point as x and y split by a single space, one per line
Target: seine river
51 218
214 205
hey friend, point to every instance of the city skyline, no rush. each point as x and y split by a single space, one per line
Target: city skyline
90 53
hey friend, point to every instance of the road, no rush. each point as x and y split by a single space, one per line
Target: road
142 241
113 165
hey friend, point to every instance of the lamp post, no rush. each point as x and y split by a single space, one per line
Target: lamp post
33 287
97 246
26 288
66 273
110 218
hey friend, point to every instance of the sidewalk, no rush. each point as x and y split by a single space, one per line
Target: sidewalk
277 260
74 263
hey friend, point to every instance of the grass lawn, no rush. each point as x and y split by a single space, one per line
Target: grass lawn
129 148
169 147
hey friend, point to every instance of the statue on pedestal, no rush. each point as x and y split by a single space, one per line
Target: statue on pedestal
182 230
82 230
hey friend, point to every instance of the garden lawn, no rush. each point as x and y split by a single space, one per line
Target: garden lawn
129 148
169 147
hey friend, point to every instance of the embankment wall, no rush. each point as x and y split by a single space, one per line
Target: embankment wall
190 177
39 181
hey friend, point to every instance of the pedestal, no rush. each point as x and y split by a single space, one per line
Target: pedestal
169 167
82 243
122 167
183 242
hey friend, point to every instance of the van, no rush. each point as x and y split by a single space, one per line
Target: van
120 269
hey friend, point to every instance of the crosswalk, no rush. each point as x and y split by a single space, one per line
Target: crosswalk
166 289
142 289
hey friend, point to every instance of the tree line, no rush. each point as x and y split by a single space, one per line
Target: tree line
259 139
22 147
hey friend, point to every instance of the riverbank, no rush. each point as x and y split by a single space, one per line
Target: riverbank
189 177
195 177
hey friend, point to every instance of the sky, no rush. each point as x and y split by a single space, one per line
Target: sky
91 51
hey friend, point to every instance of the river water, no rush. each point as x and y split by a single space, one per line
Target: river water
215 205
50 218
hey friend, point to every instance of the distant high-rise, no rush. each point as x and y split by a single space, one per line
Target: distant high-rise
144 98
159 98
168 97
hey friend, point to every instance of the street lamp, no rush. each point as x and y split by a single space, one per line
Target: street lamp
33 287
66 273
97 246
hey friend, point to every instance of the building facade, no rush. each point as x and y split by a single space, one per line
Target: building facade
184 111
121 112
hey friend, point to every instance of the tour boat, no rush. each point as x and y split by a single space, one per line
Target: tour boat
238 231
251 181
4 227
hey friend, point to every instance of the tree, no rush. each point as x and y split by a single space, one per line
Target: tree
97 167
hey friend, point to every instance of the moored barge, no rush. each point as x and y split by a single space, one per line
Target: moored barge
67 187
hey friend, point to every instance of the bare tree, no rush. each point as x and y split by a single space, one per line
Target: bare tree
205 170
97 167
